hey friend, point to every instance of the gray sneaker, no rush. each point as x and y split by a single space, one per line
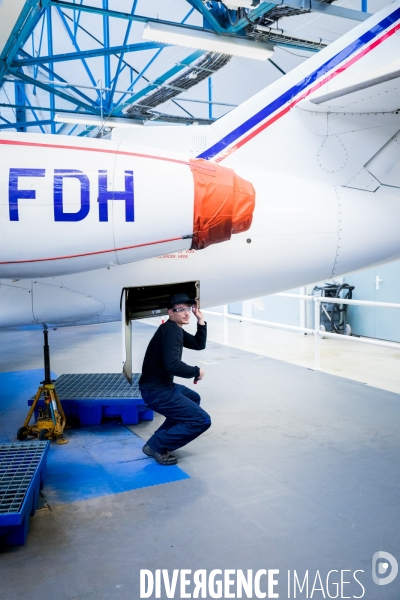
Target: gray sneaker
165 459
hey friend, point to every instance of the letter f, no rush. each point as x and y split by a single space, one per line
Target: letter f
14 194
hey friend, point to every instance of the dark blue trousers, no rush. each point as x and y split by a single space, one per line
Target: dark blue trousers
185 420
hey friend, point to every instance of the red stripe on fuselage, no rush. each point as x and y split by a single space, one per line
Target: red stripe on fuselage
85 149
35 260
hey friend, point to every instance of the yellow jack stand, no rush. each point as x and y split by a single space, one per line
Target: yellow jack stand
51 420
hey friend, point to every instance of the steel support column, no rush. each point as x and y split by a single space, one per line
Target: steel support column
50 65
20 112
210 111
107 64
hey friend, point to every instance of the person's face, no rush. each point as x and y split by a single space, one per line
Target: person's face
180 313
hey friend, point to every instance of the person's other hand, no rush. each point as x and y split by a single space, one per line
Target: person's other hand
202 373
198 314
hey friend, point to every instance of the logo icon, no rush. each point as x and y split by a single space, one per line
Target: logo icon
384 564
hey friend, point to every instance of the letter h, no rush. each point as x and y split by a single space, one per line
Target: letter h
105 195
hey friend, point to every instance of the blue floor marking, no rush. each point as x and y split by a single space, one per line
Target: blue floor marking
98 460
15 389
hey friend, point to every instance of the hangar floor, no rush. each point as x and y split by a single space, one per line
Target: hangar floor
298 472
372 365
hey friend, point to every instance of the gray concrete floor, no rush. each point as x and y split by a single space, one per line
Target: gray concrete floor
373 365
300 471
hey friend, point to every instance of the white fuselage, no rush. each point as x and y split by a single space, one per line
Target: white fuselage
302 232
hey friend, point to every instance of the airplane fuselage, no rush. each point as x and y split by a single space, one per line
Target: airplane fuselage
303 231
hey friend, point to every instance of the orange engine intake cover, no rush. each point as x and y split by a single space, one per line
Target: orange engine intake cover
223 203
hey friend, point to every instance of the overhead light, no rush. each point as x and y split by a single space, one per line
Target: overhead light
235 4
204 40
81 119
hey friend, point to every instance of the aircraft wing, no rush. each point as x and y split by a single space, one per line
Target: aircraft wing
378 92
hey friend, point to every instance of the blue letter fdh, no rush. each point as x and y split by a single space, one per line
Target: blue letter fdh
105 195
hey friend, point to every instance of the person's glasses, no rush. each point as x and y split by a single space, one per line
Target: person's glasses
180 310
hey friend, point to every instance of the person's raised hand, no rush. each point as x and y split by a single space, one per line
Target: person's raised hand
201 374
198 314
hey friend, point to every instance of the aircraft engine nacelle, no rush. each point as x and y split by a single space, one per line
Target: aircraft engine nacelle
70 206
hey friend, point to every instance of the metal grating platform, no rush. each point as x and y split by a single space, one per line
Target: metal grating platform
18 463
97 385
92 397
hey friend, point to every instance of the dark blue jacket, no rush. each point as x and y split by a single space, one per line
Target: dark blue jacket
163 358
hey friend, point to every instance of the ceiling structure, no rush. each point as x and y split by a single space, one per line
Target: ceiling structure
88 58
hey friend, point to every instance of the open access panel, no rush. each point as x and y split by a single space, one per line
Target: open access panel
142 302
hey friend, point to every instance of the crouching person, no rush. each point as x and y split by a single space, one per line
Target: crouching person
184 419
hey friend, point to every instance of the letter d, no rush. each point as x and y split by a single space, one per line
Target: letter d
146 576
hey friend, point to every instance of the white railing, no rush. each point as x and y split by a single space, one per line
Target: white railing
318 334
